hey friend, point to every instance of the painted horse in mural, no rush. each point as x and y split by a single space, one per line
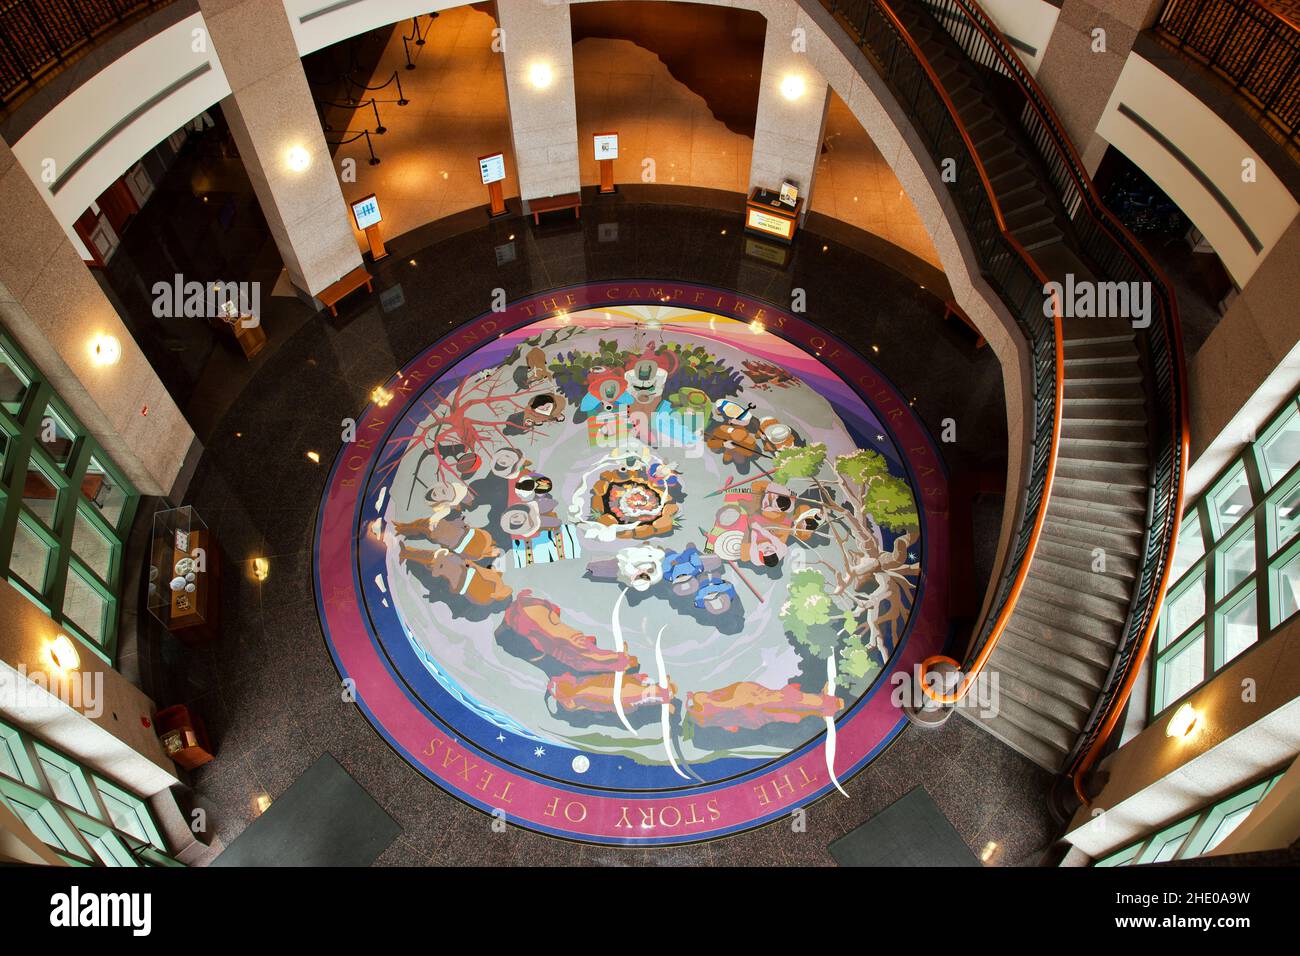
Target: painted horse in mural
479 585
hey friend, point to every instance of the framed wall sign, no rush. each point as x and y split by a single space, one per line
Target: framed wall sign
492 168
606 146
768 224
366 212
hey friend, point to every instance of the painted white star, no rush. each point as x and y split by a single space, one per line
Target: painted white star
539 752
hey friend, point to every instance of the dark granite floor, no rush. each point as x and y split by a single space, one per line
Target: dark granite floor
267 688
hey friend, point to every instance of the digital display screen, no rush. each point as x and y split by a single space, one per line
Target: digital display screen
366 212
606 146
492 168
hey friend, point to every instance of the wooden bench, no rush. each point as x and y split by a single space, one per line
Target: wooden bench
555 203
332 294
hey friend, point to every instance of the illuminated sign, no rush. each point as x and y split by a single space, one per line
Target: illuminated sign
765 222
606 146
366 212
492 168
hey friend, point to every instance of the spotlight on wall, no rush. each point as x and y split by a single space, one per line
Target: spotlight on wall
261 569
298 158
1184 722
539 74
792 87
63 653
105 350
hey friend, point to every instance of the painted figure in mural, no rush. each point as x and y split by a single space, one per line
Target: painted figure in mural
596 693
452 533
537 621
746 705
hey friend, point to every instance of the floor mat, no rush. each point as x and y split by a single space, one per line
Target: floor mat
911 831
324 819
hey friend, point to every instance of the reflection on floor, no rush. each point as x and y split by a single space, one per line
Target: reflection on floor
270 692
428 167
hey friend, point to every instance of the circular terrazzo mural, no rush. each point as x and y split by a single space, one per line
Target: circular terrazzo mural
632 562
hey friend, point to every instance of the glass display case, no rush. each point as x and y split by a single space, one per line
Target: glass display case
184 574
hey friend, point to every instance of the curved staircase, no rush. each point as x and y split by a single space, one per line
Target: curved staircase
1077 603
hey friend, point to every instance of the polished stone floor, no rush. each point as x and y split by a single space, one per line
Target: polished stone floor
267 688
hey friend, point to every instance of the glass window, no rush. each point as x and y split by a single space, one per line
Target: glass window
1285 582
40 493
1229 823
1181 670
1186 608
110 850
1230 500
66 780
1191 545
1237 629
31 556
8 762
84 606
56 436
128 813
1279 449
1237 561
104 491
37 821
14 382
91 545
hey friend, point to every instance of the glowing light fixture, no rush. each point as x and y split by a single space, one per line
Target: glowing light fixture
540 75
261 569
756 327
792 87
105 350
1184 722
381 396
262 803
313 457
63 653
298 158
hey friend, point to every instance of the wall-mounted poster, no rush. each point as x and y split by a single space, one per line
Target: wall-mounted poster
492 168
366 212
606 146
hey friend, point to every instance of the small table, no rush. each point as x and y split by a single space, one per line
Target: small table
554 203
332 294
767 216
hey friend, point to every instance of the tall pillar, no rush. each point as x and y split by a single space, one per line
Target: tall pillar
537 49
275 126
1076 49
54 308
792 102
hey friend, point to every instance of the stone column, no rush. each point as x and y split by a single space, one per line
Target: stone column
54 308
1076 50
537 42
792 102
275 126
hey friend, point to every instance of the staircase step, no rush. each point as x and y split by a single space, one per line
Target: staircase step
1099 413
1071 716
1050 617
1110 458
1052 661
1128 434
1067 598
1102 371
1093 329
1122 543
1091 494
1127 393
1028 217
1031 722
1045 754
1065 511
1038 237
1084 579
1085 470
1058 640
1081 556
1119 351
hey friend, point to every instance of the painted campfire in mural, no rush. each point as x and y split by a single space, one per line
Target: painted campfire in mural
661 543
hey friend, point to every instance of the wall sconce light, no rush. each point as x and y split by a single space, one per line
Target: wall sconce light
540 75
381 396
63 653
105 350
313 457
1184 723
261 569
298 158
792 87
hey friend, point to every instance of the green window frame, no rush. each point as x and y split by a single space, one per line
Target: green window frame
83 817
1239 548
65 508
1196 834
